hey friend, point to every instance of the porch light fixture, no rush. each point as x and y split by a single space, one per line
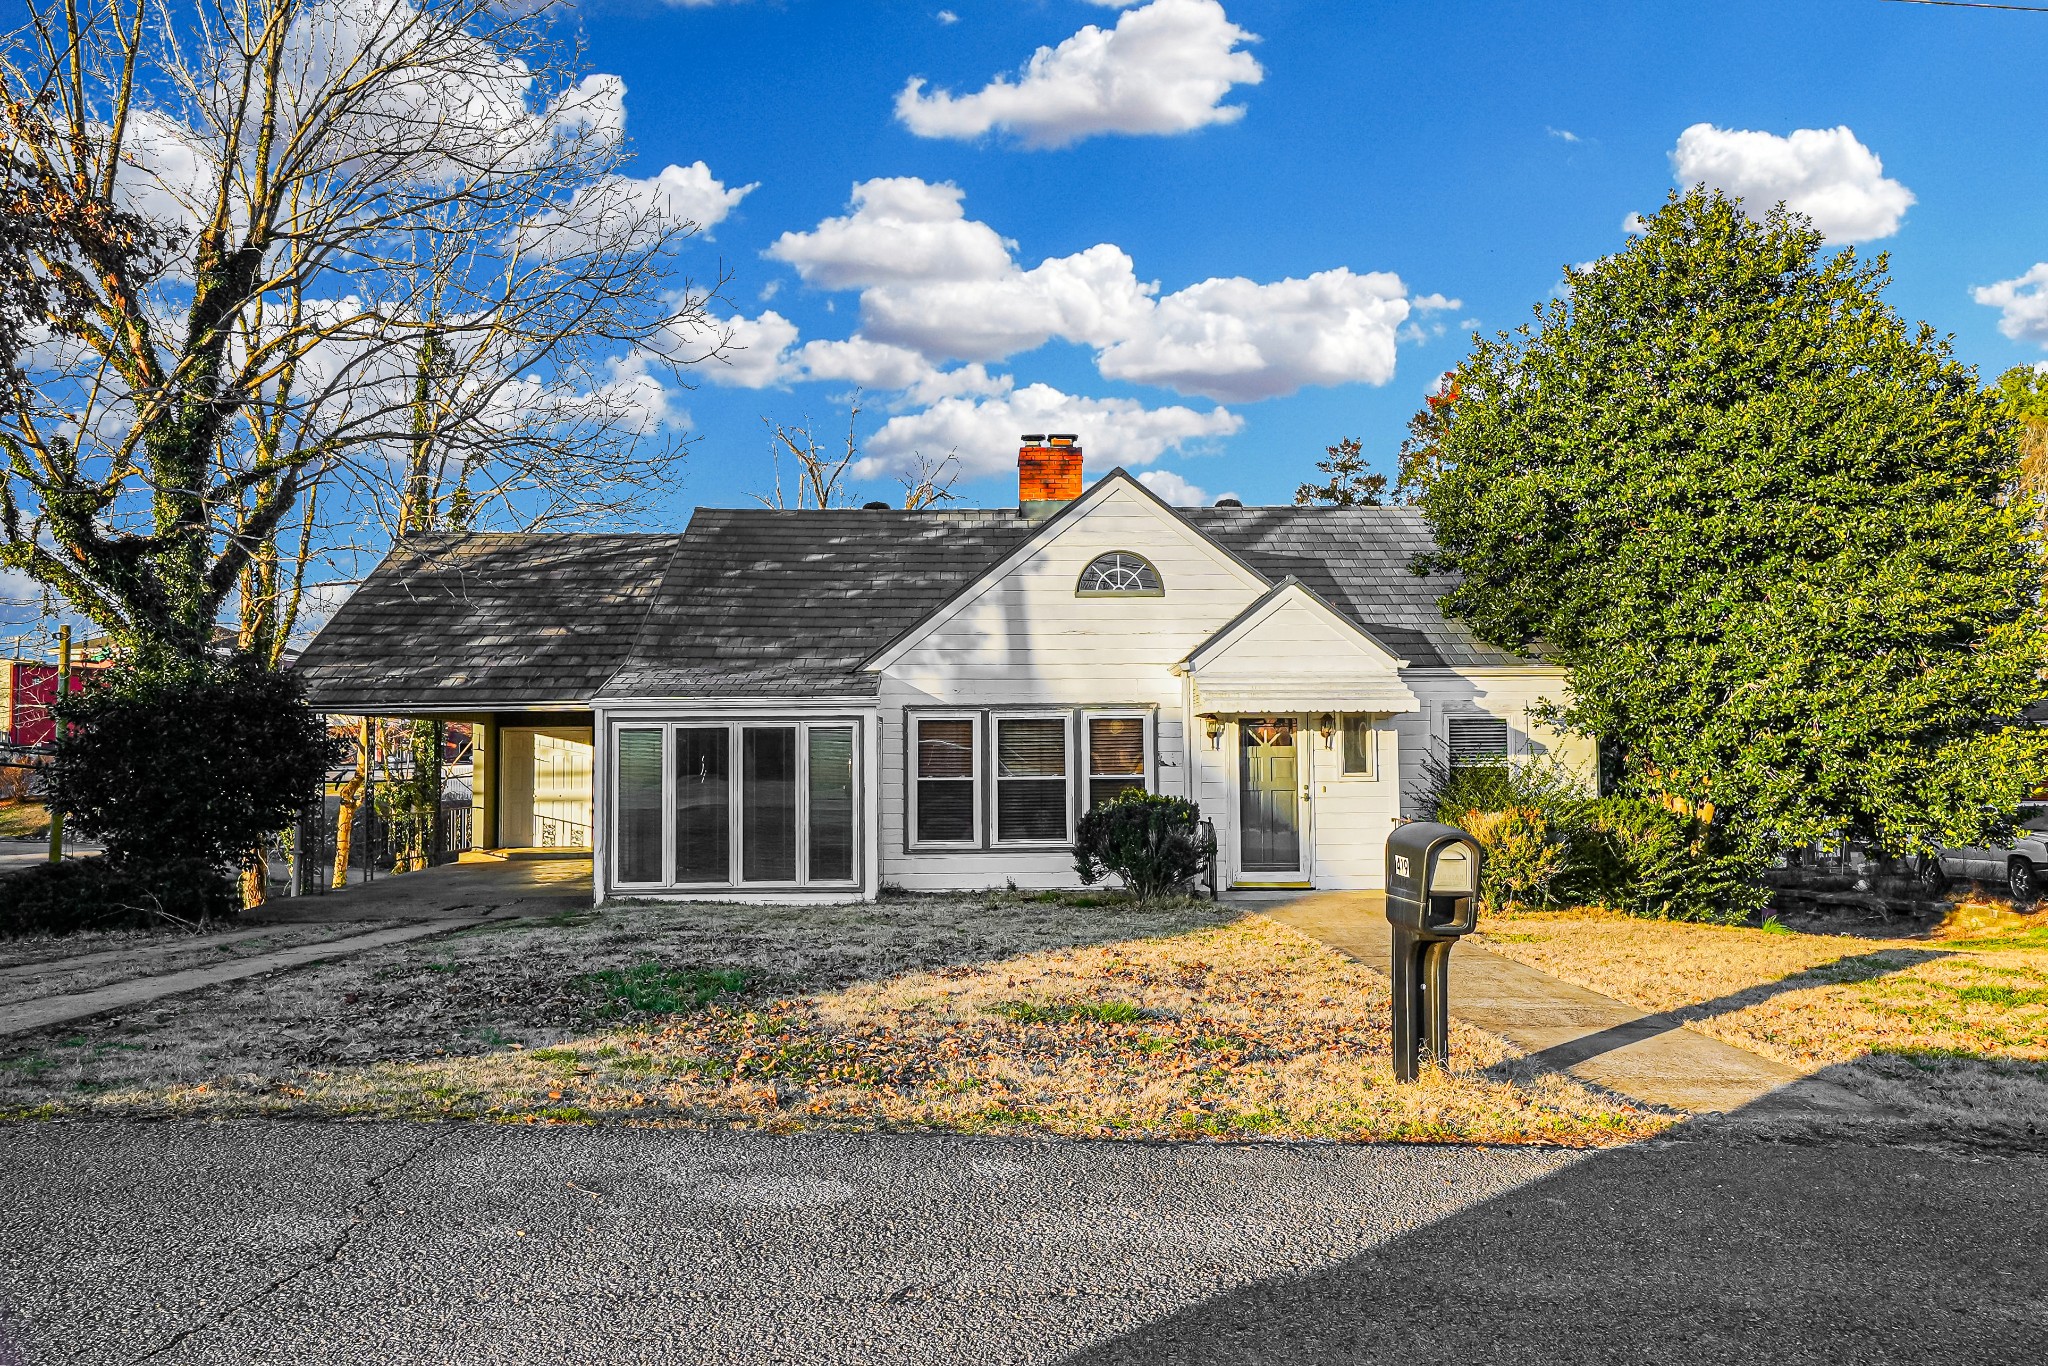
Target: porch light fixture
1326 726
1215 728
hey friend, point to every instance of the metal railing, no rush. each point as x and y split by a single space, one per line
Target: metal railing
379 846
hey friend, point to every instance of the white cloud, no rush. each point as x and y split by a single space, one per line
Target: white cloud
1824 173
984 430
1635 225
594 107
2022 304
1236 340
1176 490
1164 68
756 354
901 229
620 206
949 287
1563 134
946 16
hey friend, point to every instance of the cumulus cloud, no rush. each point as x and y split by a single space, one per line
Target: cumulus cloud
627 206
1824 173
950 288
2022 304
1174 489
1240 341
983 430
1166 67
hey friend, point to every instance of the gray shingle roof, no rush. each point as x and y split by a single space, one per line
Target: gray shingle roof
486 619
1357 560
767 603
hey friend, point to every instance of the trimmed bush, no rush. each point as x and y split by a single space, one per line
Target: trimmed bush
95 894
184 768
1155 844
1525 859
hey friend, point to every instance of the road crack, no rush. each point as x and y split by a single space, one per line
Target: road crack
360 1213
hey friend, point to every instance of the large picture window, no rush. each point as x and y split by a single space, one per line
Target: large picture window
944 754
1116 757
1031 779
699 804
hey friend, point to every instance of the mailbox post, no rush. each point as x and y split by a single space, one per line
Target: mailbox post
1432 901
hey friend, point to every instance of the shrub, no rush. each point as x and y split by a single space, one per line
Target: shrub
1525 859
1156 844
1647 860
96 894
184 768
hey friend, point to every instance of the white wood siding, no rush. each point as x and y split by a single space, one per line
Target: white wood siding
1509 694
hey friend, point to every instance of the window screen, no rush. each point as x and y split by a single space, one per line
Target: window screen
1358 745
1031 778
1478 739
703 804
1116 757
639 806
945 781
768 804
831 804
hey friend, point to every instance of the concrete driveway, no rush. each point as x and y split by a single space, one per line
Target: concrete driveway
301 1243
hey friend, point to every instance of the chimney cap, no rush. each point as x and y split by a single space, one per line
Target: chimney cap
1229 503
1058 438
1032 438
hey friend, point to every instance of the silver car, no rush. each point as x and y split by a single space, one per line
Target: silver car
2022 866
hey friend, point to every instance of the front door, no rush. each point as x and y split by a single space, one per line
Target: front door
1269 797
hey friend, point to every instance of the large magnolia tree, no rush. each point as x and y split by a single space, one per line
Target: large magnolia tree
1774 531
258 249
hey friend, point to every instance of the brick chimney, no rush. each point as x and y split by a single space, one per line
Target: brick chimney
1048 474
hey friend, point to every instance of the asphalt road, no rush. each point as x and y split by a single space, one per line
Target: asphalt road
275 1242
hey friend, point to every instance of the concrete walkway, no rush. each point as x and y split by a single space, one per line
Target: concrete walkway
1650 1057
23 1016
510 881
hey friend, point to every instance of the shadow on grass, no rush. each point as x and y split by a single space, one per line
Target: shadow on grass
1692 1248
1863 967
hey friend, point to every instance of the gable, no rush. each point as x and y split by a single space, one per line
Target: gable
1291 651
1027 602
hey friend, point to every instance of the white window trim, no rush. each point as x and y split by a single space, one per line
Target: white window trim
1150 767
995 720
912 721
1371 771
735 852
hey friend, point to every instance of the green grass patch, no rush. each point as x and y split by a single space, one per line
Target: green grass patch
652 988
24 821
1067 1012
1998 994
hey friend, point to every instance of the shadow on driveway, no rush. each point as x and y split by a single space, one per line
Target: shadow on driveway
1691 1249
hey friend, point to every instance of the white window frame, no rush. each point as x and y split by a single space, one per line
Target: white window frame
913 720
995 720
1149 717
1371 725
736 779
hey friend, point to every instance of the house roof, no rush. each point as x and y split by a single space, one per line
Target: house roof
758 602
486 620
1356 559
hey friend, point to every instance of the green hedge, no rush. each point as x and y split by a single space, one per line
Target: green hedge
1156 844
94 894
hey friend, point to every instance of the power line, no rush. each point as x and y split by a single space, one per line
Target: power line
1972 4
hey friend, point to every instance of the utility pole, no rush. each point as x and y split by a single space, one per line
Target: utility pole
63 689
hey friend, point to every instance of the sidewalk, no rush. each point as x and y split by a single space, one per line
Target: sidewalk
1649 1057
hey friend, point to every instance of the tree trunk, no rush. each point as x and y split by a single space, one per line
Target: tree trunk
352 800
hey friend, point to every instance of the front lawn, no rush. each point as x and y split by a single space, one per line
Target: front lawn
996 1014
1951 1028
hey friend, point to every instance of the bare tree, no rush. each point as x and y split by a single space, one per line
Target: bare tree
821 473
403 271
929 481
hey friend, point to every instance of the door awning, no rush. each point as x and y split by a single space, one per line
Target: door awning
1384 695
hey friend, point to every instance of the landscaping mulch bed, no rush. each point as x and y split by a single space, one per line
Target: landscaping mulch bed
1070 1015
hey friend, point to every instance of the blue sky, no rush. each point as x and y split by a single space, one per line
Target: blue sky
1468 149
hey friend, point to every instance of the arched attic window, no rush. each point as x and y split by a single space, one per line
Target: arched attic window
1119 574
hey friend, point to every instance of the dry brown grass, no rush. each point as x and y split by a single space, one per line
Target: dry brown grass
1000 1014
1950 1027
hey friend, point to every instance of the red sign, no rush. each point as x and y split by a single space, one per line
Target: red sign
28 692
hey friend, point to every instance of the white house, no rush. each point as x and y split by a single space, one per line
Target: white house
817 704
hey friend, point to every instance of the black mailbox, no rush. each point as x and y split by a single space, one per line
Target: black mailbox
1432 901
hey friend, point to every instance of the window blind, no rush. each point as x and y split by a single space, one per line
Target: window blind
1116 757
945 781
1031 778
